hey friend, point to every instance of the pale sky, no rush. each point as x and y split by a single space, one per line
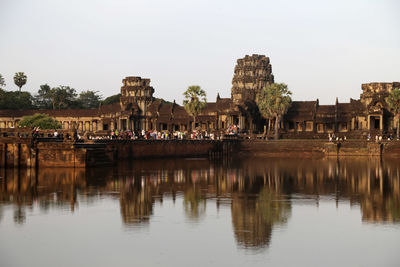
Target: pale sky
321 49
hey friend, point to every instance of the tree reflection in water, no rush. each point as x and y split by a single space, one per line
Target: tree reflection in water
136 202
194 204
254 217
259 191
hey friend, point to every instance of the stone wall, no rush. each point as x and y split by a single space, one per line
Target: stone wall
59 154
161 148
314 148
15 152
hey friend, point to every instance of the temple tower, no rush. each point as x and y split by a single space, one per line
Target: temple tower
136 91
373 97
252 73
136 97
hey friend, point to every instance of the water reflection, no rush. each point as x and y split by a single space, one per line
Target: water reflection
259 192
254 216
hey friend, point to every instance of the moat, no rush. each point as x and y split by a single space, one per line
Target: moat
197 212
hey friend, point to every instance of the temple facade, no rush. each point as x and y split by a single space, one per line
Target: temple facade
139 110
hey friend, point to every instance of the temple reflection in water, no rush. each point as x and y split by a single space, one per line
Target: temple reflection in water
259 192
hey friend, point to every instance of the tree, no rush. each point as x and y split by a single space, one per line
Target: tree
20 79
393 102
274 100
2 82
195 101
44 98
111 99
63 97
265 113
15 100
39 120
89 99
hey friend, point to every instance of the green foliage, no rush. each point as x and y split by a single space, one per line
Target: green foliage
15 100
111 99
44 99
63 97
2 82
89 99
20 79
393 102
195 100
39 120
274 100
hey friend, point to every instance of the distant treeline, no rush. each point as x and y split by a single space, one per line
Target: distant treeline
61 97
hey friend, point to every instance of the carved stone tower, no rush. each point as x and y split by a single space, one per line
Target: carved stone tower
252 73
136 91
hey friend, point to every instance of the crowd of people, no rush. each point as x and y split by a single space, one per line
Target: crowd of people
232 130
378 138
156 135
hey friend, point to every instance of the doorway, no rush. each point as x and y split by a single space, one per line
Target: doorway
375 122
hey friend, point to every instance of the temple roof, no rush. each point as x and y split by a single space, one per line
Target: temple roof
110 108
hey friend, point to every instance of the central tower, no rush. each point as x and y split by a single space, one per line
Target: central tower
252 73
136 90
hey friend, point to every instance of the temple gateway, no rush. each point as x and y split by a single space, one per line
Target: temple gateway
139 110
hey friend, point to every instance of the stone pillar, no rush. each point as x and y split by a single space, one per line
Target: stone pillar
369 122
242 124
381 122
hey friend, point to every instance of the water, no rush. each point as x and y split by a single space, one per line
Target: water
195 212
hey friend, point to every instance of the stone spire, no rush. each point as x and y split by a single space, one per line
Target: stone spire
252 73
136 90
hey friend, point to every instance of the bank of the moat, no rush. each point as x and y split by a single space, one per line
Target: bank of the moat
27 152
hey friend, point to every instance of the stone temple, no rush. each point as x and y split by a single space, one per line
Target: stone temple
139 110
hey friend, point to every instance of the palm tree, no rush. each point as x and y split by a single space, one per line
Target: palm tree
195 101
20 79
274 100
264 112
393 102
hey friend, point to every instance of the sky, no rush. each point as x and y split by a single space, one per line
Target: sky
321 49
